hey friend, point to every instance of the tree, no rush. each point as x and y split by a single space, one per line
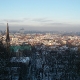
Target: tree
3 60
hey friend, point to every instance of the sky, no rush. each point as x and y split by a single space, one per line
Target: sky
40 14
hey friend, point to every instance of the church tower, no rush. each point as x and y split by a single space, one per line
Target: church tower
8 40
7 34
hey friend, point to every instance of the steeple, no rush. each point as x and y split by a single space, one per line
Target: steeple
7 34
8 41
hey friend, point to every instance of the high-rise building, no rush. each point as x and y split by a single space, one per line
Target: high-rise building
7 34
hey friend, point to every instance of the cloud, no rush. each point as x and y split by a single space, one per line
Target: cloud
12 20
42 20
57 24
26 19
39 24
45 27
1 23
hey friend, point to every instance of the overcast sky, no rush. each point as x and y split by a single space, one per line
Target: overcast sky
40 14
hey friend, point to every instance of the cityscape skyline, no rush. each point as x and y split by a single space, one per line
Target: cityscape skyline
40 15
39 40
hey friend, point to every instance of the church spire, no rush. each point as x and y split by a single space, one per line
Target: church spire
7 34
